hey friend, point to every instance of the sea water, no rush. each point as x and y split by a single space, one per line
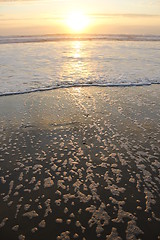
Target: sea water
34 63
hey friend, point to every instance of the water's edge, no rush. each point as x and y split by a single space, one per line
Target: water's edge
77 85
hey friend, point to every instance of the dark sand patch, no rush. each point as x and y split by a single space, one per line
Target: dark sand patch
80 163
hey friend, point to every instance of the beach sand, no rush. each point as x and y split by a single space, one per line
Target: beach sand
80 163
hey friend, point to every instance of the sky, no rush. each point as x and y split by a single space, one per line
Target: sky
32 17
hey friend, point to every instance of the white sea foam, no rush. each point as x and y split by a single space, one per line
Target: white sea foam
58 61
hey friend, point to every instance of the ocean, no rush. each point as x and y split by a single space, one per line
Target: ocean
37 63
80 163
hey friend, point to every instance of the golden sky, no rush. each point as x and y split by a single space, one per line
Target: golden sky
93 16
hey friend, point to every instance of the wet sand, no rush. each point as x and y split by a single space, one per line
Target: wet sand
80 163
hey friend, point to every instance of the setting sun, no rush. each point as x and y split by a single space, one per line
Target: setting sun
77 22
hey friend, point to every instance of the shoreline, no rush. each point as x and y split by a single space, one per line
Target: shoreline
80 86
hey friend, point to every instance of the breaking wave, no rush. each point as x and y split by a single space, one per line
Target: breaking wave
72 37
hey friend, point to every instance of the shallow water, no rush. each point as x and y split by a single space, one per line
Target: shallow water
26 67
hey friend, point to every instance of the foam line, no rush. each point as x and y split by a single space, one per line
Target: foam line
77 85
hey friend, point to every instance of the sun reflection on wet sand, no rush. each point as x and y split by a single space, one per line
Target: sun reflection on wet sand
78 162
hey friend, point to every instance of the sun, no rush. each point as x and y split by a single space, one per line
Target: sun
77 22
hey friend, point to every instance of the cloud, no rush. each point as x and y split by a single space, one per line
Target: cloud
3 18
98 15
8 1
131 15
30 18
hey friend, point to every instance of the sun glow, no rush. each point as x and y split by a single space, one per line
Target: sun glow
77 22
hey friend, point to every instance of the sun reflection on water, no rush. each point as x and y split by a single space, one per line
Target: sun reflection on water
77 49
77 69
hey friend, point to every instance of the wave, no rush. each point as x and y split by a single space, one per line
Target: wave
79 85
71 37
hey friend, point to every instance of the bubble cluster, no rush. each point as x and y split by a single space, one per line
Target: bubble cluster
80 163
